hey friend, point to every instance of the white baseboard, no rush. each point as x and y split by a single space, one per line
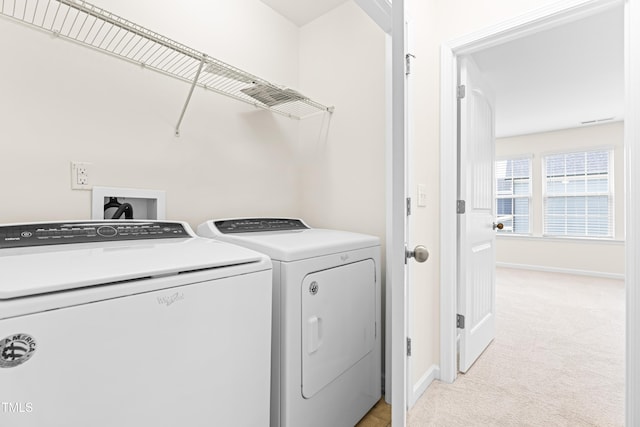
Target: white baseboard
423 383
562 270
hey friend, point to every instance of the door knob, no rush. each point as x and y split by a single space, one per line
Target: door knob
498 225
419 253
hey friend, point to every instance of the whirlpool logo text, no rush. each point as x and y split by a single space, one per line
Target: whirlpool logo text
169 300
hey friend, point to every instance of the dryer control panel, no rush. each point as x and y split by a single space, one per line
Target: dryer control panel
57 233
251 225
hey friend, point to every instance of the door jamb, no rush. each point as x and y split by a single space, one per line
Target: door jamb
543 18
396 238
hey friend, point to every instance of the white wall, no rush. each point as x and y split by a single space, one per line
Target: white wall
342 168
571 255
434 22
64 102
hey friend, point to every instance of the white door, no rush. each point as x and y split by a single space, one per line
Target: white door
476 236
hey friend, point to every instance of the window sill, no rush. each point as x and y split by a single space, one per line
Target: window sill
585 240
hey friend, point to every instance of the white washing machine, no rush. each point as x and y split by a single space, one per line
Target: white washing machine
326 352
131 323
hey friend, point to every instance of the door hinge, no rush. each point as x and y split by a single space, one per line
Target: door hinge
407 59
462 91
408 206
461 206
460 321
408 346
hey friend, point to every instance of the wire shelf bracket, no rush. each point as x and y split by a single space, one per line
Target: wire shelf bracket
96 28
186 103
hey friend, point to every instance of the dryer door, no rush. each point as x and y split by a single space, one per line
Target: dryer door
338 322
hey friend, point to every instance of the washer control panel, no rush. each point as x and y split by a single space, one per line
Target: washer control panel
251 225
58 233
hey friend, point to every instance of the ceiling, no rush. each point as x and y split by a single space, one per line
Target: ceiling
301 12
559 78
554 79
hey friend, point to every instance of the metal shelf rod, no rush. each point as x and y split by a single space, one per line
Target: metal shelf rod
133 28
193 86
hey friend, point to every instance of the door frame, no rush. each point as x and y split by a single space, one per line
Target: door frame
395 247
547 17
389 16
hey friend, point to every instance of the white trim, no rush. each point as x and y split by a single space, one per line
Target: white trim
379 11
578 150
396 241
529 156
560 270
550 16
389 225
408 219
423 383
579 240
544 18
529 196
448 220
632 191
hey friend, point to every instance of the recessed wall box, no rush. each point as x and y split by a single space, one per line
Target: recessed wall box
127 203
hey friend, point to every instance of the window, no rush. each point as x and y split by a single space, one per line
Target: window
578 198
513 194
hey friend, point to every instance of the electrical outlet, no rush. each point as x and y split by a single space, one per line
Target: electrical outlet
80 176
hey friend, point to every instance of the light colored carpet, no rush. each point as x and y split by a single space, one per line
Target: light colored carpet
557 359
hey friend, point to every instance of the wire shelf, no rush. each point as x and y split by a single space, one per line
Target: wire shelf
99 29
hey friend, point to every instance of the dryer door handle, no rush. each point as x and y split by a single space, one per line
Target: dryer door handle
314 334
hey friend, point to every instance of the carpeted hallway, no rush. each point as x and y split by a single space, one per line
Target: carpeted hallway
557 359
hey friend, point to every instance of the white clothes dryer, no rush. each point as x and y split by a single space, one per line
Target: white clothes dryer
326 352
131 323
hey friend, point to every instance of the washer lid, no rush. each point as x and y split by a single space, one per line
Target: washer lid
28 271
293 245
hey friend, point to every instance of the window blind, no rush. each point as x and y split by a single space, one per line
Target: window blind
578 198
513 194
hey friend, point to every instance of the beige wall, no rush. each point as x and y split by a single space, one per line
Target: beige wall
604 259
572 255
342 157
432 23
63 102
